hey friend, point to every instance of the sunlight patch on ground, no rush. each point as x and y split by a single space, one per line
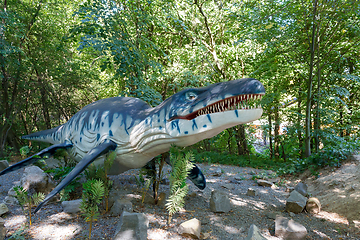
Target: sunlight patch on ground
155 234
137 196
332 217
249 203
55 232
59 217
321 234
15 221
231 230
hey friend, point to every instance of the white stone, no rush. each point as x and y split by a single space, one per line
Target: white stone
190 228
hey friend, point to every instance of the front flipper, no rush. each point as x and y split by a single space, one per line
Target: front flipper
46 152
103 148
197 177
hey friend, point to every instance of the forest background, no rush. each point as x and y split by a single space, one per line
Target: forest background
58 56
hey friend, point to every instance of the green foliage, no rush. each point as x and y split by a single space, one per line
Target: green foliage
100 173
24 151
181 166
18 234
93 193
25 199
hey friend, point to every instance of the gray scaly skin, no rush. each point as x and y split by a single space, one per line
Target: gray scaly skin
138 132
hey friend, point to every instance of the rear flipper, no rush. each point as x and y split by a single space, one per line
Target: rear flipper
103 148
195 175
46 152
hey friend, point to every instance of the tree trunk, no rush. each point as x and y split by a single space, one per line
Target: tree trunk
310 86
229 130
241 140
276 133
270 136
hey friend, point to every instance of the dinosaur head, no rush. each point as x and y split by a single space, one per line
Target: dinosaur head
199 113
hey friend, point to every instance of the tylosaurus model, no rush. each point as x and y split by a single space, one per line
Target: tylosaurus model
138 132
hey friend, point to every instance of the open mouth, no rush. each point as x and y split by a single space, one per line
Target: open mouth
240 102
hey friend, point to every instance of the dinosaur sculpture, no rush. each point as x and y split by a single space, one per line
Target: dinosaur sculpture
138 132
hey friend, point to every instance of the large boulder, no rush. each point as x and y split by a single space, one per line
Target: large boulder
3 164
132 226
288 229
71 206
296 202
36 180
254 233
219 202
119 206
3 209
302 189
2 229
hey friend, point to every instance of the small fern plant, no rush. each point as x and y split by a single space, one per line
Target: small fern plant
25 199
91 198
181 166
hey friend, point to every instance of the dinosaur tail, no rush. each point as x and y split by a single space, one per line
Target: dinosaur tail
53 135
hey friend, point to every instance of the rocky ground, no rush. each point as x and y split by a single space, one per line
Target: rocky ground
337 190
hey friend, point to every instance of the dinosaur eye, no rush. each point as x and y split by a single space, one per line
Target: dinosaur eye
190 96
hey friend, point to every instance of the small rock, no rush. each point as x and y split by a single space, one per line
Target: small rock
273 215
296 202
251 192
3 164
132 226
113 196
191 228
289 230
11 201
313 205
264 183
2 229
289 189
149 199
254 233
54 163
165 181
3 209
291 214
162 199
227 186
302 189
217 172
192 195
219 202
71 206
119 206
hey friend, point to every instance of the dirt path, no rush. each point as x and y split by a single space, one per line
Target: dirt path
52 223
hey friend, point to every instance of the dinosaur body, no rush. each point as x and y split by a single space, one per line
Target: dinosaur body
138 132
